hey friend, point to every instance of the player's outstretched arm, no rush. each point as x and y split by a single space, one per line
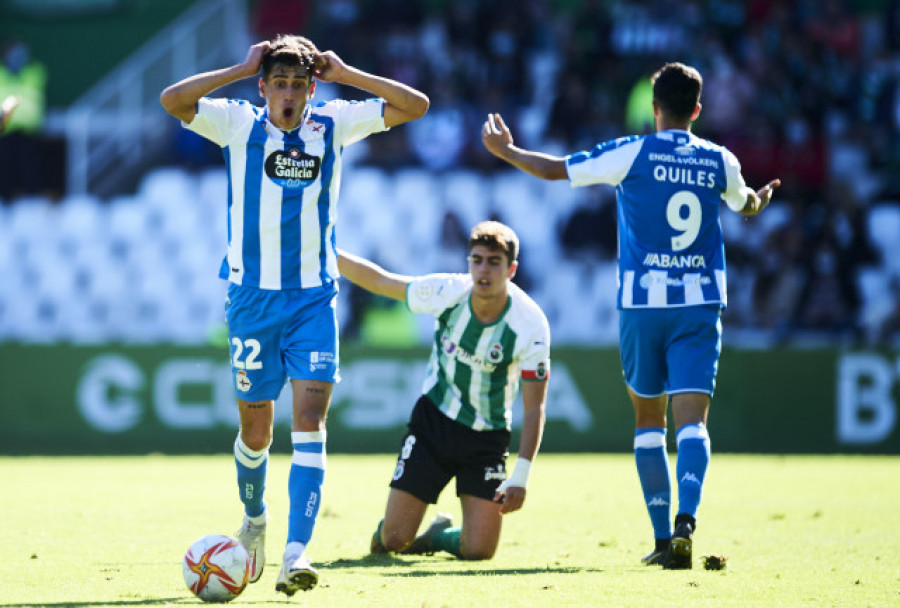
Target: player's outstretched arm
180 99
498 140
404 103
759 200
372 277
512 490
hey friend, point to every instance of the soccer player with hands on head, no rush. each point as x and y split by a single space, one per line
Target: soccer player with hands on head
488 336
671 283
284 164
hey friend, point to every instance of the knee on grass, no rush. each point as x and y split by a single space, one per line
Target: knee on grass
477 553
395 541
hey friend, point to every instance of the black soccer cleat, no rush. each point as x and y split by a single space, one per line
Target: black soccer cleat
678 557
657 557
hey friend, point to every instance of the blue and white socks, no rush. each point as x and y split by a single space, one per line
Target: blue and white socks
653 471
251 479
693 460
305 488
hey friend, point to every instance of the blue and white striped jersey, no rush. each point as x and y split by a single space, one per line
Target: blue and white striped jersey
669 190
283 187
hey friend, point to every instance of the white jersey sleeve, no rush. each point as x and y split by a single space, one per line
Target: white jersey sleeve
606 163
534 358
219 119
736 191
355 120
435 293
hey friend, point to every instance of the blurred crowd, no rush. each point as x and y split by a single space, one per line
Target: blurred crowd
807 91
804 90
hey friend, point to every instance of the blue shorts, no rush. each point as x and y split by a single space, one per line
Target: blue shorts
279 334
670 350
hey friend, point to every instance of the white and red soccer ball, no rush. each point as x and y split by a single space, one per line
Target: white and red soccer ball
216 568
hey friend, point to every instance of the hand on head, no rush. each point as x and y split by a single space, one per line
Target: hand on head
328 66
255 55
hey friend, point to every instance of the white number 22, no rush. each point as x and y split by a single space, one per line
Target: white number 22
688 226
250 362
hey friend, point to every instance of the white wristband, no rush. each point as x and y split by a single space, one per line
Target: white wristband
519 477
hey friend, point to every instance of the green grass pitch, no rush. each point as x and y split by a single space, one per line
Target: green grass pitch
797 530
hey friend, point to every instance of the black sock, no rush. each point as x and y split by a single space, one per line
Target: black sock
685 518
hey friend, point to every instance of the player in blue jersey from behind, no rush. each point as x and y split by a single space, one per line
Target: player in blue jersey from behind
671 283
284 168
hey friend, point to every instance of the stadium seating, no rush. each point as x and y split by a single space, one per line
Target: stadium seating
143 268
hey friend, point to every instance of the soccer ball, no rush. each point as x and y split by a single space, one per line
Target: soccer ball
216 568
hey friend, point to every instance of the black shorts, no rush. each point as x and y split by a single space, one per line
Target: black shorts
436 449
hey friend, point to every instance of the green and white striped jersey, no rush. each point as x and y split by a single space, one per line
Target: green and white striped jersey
474 371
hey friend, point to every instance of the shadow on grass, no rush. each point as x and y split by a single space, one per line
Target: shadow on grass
368 561
409 566
494 571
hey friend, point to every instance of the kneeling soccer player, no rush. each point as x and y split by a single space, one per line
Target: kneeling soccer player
488 335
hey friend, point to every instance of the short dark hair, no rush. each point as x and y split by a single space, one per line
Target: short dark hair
676 90
295 51
495 236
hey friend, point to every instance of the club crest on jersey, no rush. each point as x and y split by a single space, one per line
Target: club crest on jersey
495 353
242 382
292 168
541 371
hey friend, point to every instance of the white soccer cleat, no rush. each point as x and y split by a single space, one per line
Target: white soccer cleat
296 575
253 538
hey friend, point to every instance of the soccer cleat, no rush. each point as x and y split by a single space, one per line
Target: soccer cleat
253 538
680 548
423 543
376 546
296 575
657 557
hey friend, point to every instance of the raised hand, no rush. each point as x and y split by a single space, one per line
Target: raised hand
495 135
765 193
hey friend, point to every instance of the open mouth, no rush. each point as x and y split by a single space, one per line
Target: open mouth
288 113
